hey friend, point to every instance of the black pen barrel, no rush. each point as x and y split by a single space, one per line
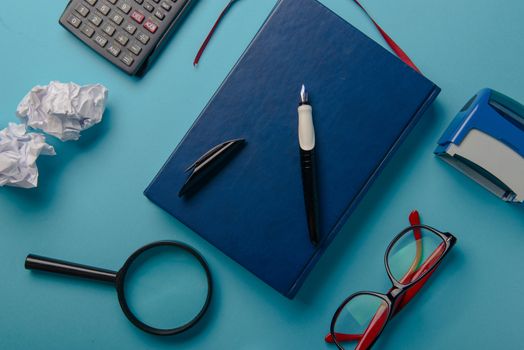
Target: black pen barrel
309 183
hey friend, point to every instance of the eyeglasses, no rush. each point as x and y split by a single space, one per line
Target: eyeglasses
411 258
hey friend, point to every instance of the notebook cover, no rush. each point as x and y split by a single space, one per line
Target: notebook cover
365 101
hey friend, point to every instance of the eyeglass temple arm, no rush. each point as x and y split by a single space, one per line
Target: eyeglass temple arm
341 337
35 262
430 262
374 328
414 220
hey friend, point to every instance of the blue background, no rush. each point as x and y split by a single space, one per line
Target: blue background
89 205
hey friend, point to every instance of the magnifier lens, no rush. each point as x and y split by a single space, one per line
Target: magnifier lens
165 287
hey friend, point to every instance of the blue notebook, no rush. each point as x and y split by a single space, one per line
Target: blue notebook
365 101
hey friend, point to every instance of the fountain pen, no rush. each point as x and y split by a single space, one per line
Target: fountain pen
306 139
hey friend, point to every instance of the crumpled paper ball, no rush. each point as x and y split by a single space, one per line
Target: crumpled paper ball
19 151
63 110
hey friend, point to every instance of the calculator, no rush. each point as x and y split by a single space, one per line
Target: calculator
128 33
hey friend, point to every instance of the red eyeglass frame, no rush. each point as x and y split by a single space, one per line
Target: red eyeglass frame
402 291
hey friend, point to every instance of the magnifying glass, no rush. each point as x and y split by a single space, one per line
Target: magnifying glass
164 288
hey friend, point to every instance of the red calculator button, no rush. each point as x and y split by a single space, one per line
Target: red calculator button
151 26
137 16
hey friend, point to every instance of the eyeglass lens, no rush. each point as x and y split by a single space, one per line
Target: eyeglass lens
413 254
363 314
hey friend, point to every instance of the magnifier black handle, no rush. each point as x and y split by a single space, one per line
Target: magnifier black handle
35 262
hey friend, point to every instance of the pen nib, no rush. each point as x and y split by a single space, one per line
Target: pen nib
304 98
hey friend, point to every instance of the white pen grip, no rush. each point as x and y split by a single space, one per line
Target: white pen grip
306 130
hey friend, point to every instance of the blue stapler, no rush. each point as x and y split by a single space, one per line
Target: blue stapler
486 142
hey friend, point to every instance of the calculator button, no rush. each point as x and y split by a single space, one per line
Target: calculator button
113 1
82 10
122 39
104 9
131 29
117 19
149 7
139 1
125 7
135 48
88 31
114 50
100 40
166 6
75 21
95 19
91 2
142 38
127 59
137 16
151 26
159 15
109 29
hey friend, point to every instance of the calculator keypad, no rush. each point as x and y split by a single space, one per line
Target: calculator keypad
87 30
135 48
117 19
123 31
159 15
82 10
143 38
104 9
149 7
138 17
100 40
74 21
95 19
122 39
114 50
150 26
